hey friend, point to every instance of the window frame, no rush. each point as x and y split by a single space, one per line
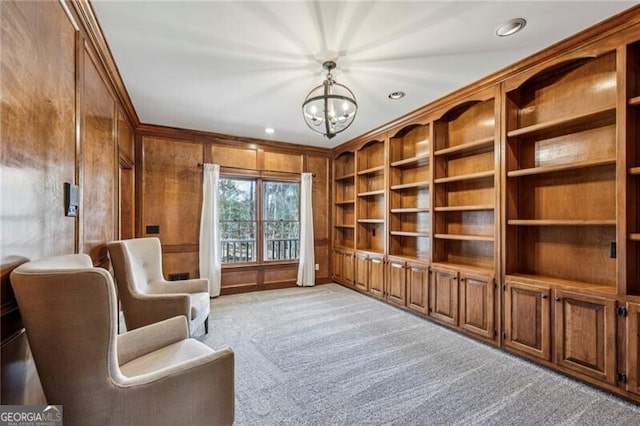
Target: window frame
260 179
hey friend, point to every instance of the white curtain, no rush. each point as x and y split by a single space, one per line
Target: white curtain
209 229
306 268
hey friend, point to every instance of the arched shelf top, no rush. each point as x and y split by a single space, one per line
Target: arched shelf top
554 72
404 130
459 109
370 143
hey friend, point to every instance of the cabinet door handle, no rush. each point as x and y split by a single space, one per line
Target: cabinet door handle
558 299
544 296
462 280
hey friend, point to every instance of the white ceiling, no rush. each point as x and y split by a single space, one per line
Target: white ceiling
236 67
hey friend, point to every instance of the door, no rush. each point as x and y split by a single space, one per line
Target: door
397 282
585 335
527 316
362 273
476 304
444 295
417 287
376 276
633 346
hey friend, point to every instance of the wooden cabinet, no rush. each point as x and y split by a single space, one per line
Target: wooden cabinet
376 276
477 304
343 266
361 271
417 276
585 334
397 282
409 192
527 319
633 348
444 296
369 269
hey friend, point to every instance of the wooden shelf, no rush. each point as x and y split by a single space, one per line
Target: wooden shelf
560 222
344 202
467 268
370 220
561 283
470 176
340 225
634 101
634 171
634 237
565 122
411 210
463 237
410 185
345 177
561 167
419 160
371 170
467 147
465 208
371 193
409 234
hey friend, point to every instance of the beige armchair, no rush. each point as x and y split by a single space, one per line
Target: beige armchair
145 295
155 375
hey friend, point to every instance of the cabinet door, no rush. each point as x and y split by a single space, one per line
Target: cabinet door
444 296
633 346
362 273
417 287
476 304
376 276
527 317
397 283
348 270
338 263
585 335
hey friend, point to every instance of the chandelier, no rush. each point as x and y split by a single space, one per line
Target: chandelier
331 107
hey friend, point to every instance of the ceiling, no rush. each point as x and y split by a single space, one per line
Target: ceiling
237 67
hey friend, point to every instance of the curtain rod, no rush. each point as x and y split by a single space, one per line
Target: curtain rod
259 170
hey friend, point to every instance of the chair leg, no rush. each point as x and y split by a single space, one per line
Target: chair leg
206 325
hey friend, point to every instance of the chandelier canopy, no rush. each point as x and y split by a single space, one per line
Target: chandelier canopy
331 107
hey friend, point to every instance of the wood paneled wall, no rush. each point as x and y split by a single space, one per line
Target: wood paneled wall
63 119
169 195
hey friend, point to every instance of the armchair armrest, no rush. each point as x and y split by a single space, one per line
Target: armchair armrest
195 285
151 308
144 340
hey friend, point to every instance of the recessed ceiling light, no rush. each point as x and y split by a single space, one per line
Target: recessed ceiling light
269 130
396 95
510 27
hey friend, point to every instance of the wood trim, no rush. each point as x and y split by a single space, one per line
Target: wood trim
168 132
95 36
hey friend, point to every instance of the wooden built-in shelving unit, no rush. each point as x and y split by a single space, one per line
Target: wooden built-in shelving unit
370 204
409 192
509 211
561 173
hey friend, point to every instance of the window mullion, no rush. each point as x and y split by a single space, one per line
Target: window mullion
259 222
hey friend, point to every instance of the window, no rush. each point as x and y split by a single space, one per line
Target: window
253 226
281 220
237 220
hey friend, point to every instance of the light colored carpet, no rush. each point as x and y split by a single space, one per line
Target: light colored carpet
327 355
